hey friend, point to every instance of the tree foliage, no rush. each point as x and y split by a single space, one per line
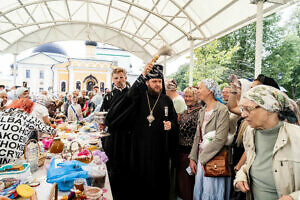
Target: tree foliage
235 54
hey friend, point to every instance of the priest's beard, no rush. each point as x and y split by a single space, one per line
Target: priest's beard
153 92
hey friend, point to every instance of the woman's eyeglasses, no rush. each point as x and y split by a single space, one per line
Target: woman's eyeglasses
248 109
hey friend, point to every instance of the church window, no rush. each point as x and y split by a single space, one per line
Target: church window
63 86
42 74
78 85
27 73
102 87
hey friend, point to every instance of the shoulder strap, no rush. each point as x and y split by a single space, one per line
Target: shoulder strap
200 131
74 112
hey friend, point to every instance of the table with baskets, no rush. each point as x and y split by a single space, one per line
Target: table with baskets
78 139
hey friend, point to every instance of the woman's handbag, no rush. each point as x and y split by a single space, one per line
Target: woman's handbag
218 165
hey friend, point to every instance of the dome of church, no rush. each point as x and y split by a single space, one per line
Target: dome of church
90 43
50 48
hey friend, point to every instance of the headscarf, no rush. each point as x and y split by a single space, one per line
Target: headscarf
20 91
171 84
273 100
214 88
42 99
245 86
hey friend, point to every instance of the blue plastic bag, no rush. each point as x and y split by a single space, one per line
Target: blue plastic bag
65 174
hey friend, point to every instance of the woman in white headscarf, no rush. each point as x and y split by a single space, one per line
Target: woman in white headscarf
40 111
238 89
272 169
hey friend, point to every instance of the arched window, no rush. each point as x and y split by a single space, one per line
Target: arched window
63 86
78 85
102 87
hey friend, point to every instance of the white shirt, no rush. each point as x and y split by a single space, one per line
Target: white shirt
97 99
39 111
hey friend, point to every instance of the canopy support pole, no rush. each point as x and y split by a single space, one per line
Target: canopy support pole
259 36
191 62
165 67
15 68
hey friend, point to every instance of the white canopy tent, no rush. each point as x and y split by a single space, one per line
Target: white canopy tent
138 26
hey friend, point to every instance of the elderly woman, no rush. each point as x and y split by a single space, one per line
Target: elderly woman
16 126
187 125
272 170
213 118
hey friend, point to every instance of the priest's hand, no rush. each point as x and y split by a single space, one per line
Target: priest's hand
193 166
243 186
167 125
147 69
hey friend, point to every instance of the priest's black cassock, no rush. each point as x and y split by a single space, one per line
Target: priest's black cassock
151 146
116 146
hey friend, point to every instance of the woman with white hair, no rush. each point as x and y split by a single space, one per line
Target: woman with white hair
272 169
187 129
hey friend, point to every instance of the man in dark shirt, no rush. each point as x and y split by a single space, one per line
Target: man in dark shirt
82 99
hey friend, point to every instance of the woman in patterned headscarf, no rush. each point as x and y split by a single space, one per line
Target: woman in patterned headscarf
213 120
271 146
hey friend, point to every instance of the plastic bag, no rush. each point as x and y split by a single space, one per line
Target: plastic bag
65 173
22 175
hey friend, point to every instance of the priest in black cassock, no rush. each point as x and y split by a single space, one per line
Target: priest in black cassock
154 136
117 145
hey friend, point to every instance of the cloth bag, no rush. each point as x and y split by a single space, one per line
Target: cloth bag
218 165
65 173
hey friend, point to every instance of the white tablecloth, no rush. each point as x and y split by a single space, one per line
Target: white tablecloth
43 190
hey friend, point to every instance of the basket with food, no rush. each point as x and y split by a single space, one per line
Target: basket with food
81 154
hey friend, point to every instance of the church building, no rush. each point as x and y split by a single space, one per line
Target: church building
49 68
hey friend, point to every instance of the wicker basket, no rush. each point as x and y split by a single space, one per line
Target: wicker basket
86 159
42 156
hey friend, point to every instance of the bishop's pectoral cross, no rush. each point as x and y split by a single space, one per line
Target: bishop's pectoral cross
150 118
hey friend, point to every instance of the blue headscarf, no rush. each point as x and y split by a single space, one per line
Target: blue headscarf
214 88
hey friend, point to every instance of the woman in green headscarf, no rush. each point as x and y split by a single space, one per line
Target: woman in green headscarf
272 169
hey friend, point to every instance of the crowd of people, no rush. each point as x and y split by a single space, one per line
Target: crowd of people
161 141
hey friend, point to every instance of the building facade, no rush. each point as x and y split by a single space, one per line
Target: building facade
49 68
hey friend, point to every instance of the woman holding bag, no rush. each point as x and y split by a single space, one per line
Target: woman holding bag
213 127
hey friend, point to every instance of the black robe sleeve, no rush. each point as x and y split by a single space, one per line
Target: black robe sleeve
173 136
122 110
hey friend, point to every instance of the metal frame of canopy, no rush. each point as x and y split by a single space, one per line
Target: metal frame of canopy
141 27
